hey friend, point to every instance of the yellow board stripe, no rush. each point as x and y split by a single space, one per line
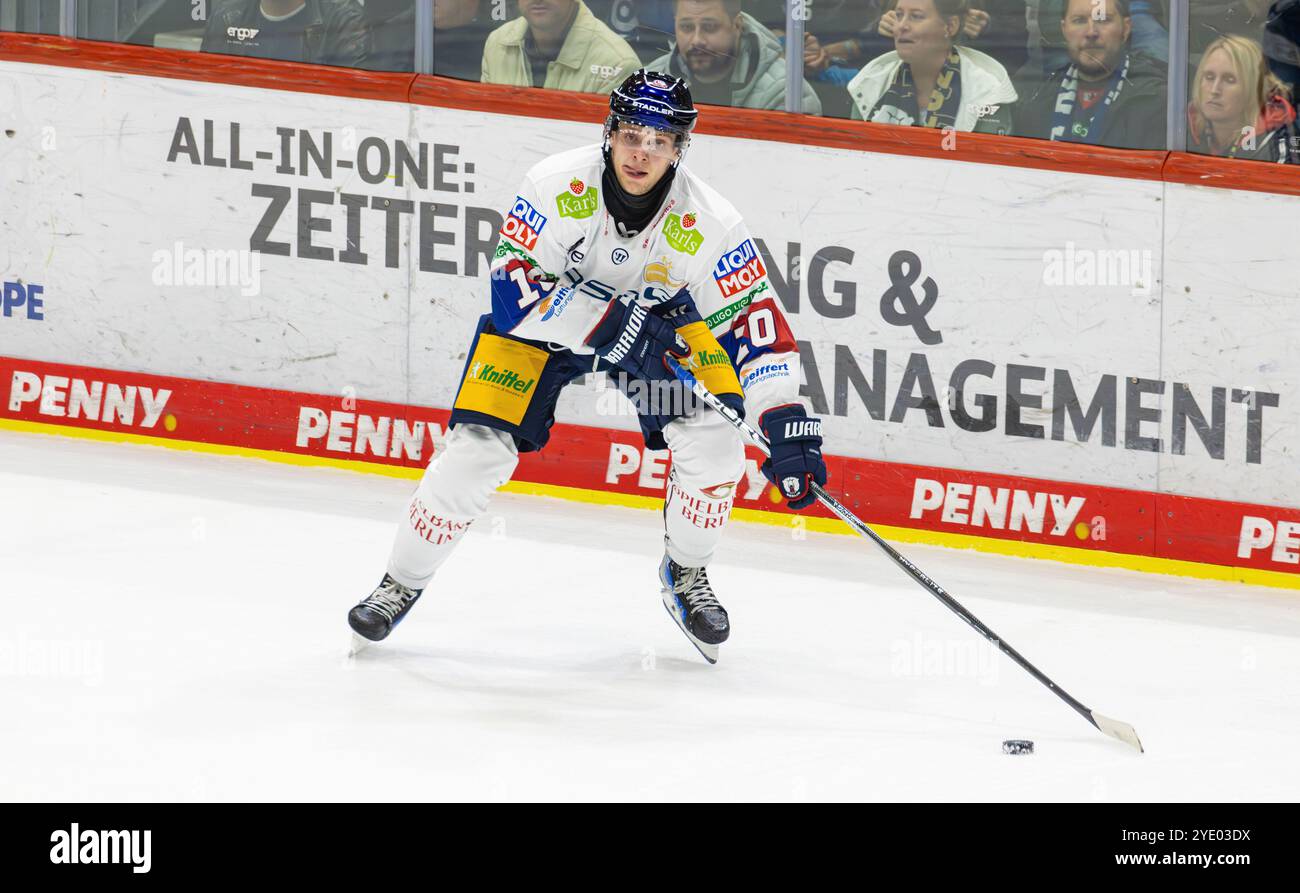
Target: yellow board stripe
1015 548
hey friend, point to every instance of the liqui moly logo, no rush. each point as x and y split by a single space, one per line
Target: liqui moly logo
524 224
739 269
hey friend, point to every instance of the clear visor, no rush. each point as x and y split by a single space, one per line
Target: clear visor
649 140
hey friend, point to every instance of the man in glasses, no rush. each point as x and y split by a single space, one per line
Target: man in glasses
615 258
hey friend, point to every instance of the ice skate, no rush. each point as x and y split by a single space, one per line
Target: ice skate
690 601
374 618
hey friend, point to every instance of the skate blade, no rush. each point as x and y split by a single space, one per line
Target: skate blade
358 645
707 651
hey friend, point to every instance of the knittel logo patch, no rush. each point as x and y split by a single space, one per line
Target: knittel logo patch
681 235
88 847
579 203
502 378
705 359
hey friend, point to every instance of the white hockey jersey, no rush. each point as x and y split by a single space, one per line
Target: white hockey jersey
561 260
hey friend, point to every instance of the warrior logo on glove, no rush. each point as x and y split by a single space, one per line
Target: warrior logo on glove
796 445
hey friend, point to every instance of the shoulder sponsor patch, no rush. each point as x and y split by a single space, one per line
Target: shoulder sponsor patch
680 232
726 313
579 202
523 224
504 248
738 269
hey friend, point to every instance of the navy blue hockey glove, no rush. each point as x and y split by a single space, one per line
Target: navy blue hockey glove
637 341
796 459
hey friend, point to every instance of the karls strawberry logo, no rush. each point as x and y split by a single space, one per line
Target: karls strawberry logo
1003 508
738 269
688 220
524 224
576 186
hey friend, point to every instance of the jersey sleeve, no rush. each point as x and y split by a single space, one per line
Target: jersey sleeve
740 307
534 293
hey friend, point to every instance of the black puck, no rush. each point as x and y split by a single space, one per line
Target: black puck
1016 746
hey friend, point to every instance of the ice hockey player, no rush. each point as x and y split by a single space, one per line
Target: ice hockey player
614 258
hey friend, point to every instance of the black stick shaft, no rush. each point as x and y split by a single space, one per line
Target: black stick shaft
908 567
952 604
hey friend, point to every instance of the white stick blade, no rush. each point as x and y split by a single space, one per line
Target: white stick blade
1121 731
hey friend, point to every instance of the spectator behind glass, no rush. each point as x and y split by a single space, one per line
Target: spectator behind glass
1149 34
392 34
1108 95
928 80
646 25
560 45
995 27
460 33
1281 43
1239 108
322 32
728 58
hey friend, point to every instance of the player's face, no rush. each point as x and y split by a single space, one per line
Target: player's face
641 156
1095 35
548 15
707 38
922 35
1223 95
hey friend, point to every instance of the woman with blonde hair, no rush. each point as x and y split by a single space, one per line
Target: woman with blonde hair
930 79
1239 109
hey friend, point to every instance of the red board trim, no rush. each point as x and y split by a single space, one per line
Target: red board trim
1030 510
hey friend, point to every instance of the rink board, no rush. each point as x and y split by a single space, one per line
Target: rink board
1128 333
1009 514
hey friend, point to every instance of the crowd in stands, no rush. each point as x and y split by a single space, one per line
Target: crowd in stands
1084 71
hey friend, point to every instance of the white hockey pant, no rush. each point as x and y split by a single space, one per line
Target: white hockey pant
707 462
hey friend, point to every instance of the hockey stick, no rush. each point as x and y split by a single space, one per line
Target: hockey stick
1120 731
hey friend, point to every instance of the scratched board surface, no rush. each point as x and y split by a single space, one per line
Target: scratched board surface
950 315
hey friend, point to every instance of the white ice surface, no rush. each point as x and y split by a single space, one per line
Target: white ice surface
173 628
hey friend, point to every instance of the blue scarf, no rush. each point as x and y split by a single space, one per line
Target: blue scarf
899 105
1084 130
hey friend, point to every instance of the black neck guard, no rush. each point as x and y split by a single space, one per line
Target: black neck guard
633 212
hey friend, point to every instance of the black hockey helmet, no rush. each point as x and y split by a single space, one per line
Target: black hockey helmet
653 99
